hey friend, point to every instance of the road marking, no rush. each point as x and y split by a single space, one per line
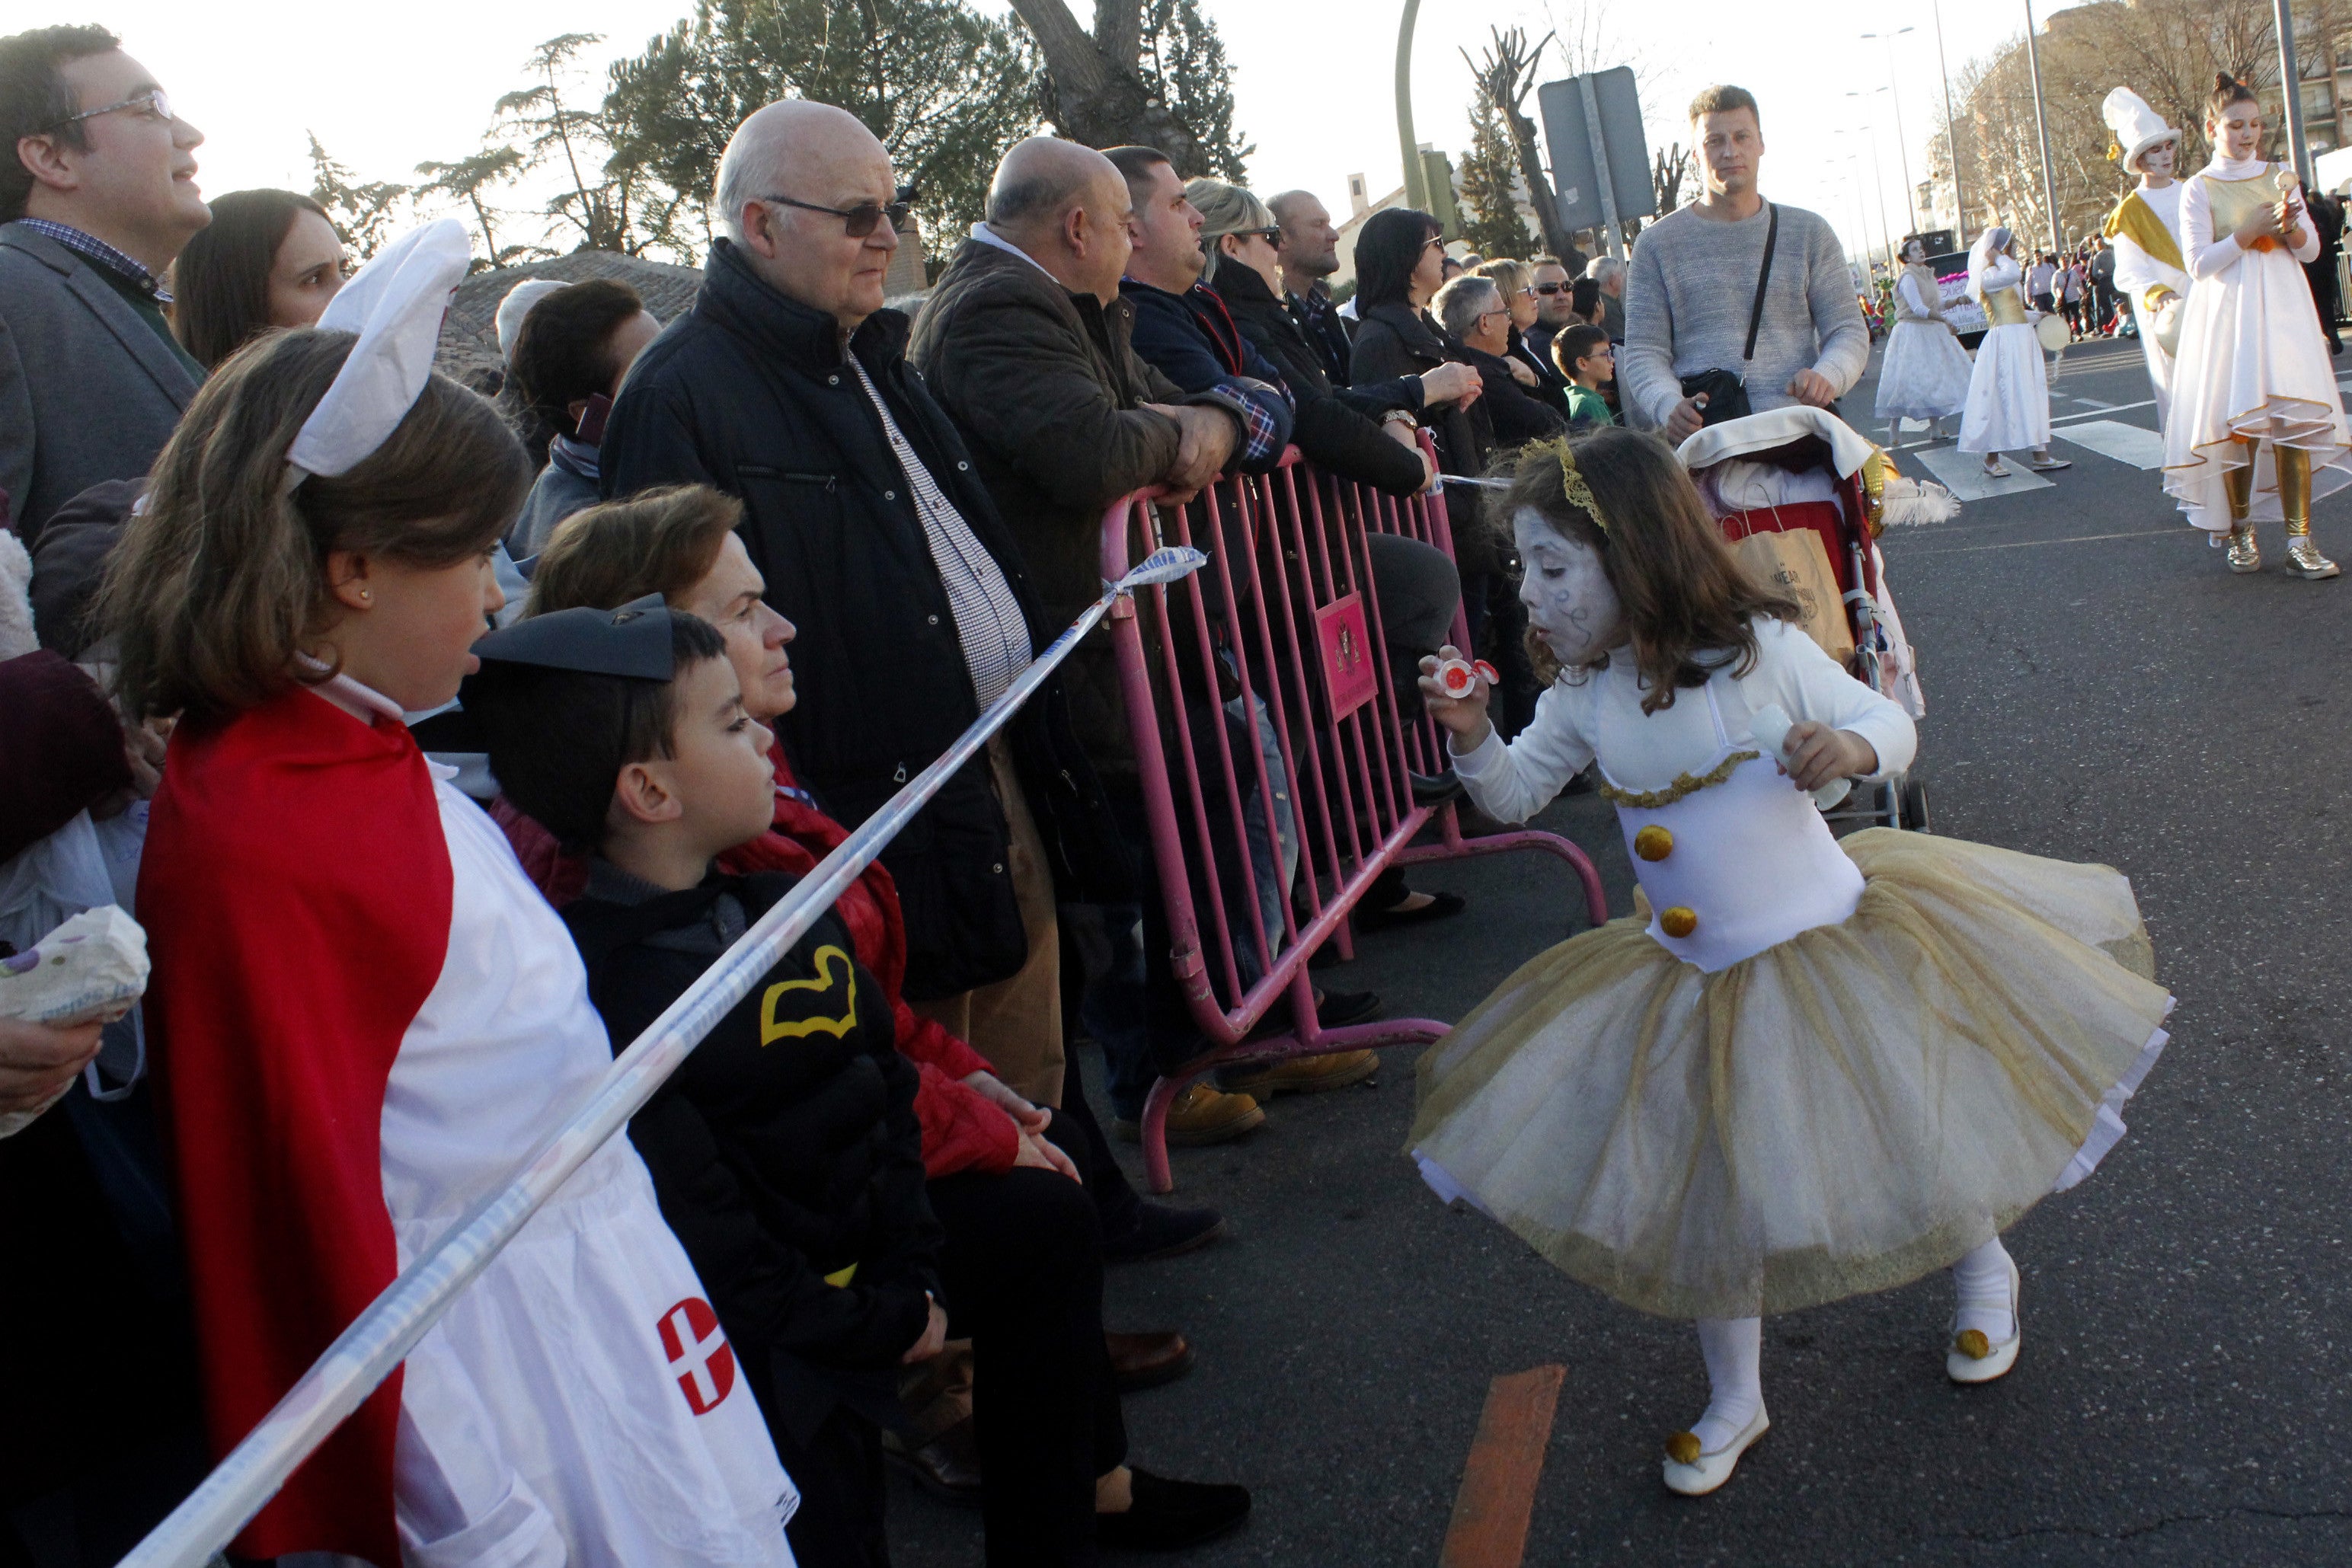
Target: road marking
2093 403
1963 474
1498 1496
2119 408
2033 544
2143 449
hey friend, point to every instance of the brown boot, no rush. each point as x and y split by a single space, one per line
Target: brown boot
1201 1115
1308 1074
1147 1360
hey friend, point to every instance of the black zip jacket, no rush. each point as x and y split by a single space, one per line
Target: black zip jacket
752 392
786 1148
1338 427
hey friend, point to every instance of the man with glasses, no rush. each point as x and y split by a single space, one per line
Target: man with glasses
1555 304
97 194
1476 317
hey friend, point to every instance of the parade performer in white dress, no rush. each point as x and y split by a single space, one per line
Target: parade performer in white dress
2008 391
367 1015
1806 1068
1925 374
2257 429
2145 227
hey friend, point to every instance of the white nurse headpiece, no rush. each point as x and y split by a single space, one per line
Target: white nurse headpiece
396 304
516 306
2135 126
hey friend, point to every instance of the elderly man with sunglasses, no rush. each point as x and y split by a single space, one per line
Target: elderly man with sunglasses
97 194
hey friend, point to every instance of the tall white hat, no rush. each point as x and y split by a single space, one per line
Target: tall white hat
2136 127
396 304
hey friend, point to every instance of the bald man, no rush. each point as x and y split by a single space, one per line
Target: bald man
788 387
1028 346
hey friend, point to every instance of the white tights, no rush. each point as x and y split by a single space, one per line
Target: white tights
1734 1347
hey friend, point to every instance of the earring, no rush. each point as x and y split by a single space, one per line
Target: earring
366 597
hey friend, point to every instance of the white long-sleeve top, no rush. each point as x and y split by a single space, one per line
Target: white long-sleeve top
1602 715
2137 273
2211 254
1913 295
2001 272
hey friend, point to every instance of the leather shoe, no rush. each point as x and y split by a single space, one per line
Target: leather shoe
1307 1075
1163 1230
1141 1360
1168 1516
946 1466
1201 1115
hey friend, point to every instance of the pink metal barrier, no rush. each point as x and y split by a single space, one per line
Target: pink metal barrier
1275 765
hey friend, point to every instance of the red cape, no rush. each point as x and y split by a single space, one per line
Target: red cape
296 893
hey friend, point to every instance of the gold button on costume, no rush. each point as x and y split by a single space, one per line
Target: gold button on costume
1654 843
1678 922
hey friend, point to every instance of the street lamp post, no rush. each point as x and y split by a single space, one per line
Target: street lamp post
2042 129
1901 147
1415 195
2298 154
1951 133
1876 176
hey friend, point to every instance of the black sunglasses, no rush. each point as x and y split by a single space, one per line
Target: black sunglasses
1555 288
861 219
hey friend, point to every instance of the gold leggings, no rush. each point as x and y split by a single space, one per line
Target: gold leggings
2294 466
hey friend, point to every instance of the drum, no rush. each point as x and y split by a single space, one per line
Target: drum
2051 330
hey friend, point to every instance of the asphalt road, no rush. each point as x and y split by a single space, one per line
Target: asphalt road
2100 689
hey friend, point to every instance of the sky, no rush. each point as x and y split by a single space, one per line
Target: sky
1314 83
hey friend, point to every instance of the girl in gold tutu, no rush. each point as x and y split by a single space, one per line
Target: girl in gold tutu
1806 1068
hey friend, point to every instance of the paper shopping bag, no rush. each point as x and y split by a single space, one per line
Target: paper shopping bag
1795 562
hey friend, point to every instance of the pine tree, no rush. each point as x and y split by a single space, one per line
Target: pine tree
362 211
1184 64
1491 224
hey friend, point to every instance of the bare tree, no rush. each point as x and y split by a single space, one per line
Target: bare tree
1505 77
1142 75
1668 168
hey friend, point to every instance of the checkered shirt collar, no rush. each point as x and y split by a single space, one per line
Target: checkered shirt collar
93 248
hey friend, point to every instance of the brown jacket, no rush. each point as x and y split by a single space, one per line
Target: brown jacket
1044 386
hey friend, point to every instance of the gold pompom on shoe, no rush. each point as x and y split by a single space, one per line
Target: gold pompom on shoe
1691 1473
1975 1356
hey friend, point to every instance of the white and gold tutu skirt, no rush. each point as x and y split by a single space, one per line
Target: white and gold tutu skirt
1843 1113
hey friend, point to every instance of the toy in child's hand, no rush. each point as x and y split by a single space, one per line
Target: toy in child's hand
1770 726
90 969
1459 677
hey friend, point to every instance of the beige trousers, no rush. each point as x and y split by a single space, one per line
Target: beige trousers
1017 1023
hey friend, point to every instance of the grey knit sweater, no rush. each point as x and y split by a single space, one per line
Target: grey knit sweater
1687 296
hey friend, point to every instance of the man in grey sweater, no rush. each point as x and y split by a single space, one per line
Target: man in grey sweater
1693 284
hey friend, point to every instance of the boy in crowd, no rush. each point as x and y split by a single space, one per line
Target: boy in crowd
1589 362
787 1153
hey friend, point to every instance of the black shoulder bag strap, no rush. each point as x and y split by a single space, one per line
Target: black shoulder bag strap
1763 277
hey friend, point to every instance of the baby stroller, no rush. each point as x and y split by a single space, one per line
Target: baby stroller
1796 469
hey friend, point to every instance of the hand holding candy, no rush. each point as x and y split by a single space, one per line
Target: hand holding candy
1805 750
1454 690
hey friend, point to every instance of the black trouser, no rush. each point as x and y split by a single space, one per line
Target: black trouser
839 1474
1024 1271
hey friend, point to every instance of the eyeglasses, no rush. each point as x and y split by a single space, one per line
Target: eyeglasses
1551 288
154 104
1483 315
1436 242
860 220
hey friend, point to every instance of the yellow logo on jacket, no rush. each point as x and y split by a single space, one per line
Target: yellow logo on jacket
827 957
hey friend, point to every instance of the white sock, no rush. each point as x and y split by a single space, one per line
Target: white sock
1981 1280
1734 1349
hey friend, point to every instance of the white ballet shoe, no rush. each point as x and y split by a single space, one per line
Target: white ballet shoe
1973 1358
1693 1474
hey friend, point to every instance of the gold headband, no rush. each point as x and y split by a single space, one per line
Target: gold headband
1572 480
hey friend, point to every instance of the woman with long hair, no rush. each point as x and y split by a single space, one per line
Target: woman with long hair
268 259
2257 428
1807 1067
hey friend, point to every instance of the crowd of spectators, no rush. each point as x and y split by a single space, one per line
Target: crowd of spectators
859 527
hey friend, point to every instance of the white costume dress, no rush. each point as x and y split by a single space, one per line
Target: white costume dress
1925 373
2008 391
1857 1061
545 1421
2146 230
2254 361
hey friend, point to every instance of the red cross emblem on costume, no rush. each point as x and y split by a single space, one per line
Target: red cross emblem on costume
706 1364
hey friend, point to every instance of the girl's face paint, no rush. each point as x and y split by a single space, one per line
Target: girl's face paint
1570 603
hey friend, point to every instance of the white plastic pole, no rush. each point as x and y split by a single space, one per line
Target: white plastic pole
380 1338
